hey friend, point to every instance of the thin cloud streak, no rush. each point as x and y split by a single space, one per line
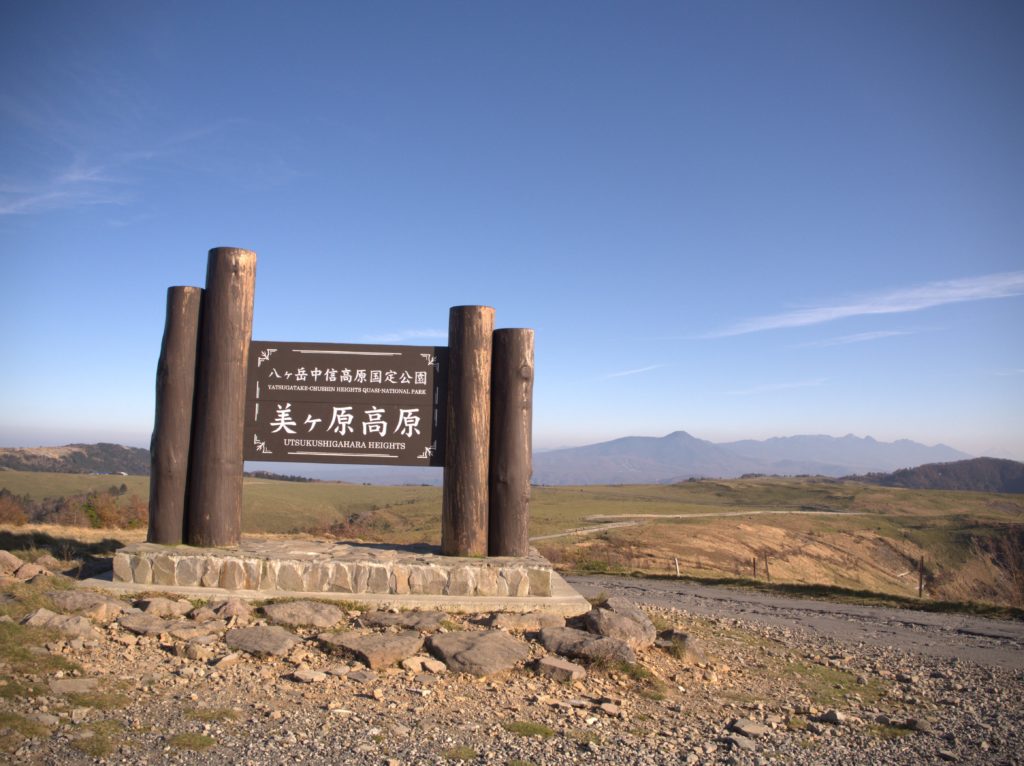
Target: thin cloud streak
637 371
861 337
83 183
80 184
990 286
769 388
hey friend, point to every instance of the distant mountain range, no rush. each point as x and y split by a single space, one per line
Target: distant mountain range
981 474
680 456
630 460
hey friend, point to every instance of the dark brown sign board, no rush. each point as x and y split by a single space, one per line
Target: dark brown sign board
346 403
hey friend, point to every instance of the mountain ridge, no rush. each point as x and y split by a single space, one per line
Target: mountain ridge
679 456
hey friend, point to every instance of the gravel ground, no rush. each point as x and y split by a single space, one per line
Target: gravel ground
768 683
993 643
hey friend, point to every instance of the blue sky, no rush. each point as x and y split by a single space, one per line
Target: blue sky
739 219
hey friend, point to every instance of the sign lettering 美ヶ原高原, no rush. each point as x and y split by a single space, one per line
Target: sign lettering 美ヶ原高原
343 403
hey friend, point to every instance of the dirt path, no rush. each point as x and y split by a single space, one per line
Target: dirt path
993 643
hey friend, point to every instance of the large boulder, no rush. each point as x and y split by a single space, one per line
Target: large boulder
297 613
232 608
9 563
158 606
377 650
146 624
620 618
262 640
76 627
530 622
188 630
427 622
88 604
559 669
579 644
479 653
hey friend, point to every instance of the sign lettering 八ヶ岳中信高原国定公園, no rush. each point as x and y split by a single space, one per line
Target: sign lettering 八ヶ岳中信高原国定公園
343 403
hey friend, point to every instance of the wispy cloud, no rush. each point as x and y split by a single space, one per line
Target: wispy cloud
59 193
861 337
81 183
928 295
405 335
1008 373
637 371
770 387
93 175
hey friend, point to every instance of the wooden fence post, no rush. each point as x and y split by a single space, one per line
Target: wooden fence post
511 460
920 578
464 509
215 493
767 572
172 426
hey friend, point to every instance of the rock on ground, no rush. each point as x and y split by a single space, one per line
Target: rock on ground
66 624
529 622
377 650
424 621
479 653
262 640
621 619
579 644
298 613
96 606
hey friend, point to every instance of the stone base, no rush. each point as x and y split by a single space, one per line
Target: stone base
276 566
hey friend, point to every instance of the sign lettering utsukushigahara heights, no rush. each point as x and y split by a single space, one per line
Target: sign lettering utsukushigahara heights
340 403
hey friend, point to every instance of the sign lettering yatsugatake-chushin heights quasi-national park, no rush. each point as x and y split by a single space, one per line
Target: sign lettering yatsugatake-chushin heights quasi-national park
345 403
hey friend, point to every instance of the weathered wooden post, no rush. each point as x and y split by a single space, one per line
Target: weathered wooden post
172 426
511 443
464 509
215 493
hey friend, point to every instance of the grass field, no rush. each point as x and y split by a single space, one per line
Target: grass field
813 531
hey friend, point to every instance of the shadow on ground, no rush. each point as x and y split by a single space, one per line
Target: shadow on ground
84 559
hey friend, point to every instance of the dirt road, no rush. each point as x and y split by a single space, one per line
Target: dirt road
993 643
620 520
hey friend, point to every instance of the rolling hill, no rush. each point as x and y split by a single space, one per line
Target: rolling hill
982 474
78 458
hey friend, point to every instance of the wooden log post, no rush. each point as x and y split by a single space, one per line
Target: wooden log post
511 443
172 425
215 491
464 508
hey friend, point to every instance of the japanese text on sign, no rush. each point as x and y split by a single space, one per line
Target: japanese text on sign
317 402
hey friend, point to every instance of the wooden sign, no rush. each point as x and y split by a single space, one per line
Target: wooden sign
343 403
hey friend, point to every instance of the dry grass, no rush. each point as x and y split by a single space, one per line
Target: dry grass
815 532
